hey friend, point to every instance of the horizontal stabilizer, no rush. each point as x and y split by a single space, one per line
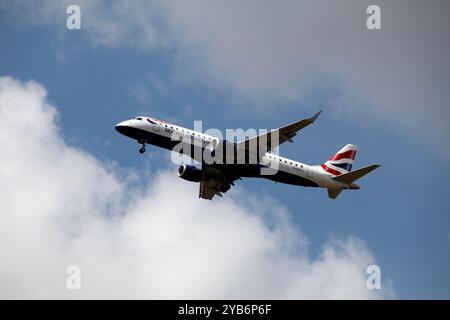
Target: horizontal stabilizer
333 193
351 176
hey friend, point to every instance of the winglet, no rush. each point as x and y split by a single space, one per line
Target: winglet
314 117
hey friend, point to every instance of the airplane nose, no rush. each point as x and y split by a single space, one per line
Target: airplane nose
121 127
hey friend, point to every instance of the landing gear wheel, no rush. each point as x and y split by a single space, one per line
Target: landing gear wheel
142 143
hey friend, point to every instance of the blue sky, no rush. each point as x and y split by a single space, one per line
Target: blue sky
401 212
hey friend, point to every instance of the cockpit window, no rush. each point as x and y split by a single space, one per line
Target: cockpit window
153 122
139 118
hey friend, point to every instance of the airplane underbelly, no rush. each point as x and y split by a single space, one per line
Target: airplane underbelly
277 176
286 177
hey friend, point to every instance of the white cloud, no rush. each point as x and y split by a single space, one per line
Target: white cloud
60 206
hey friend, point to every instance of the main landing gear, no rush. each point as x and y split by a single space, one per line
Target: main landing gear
142 149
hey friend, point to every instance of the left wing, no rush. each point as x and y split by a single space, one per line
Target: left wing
208 189
214 182
274 138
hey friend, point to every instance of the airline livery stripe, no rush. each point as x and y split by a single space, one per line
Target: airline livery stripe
350 154
329 170
333 167
344 165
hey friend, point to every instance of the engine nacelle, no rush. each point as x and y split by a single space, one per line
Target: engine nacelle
190 173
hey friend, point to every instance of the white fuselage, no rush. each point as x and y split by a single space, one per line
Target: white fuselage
152 131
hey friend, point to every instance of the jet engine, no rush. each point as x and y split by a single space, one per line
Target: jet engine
190 173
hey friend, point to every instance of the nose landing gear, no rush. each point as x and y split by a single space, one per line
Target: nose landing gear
142 149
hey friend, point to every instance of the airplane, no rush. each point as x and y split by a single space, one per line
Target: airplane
256 155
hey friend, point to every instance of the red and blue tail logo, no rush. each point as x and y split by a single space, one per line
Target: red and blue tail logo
342 161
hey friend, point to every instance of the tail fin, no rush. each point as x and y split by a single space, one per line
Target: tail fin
342 161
